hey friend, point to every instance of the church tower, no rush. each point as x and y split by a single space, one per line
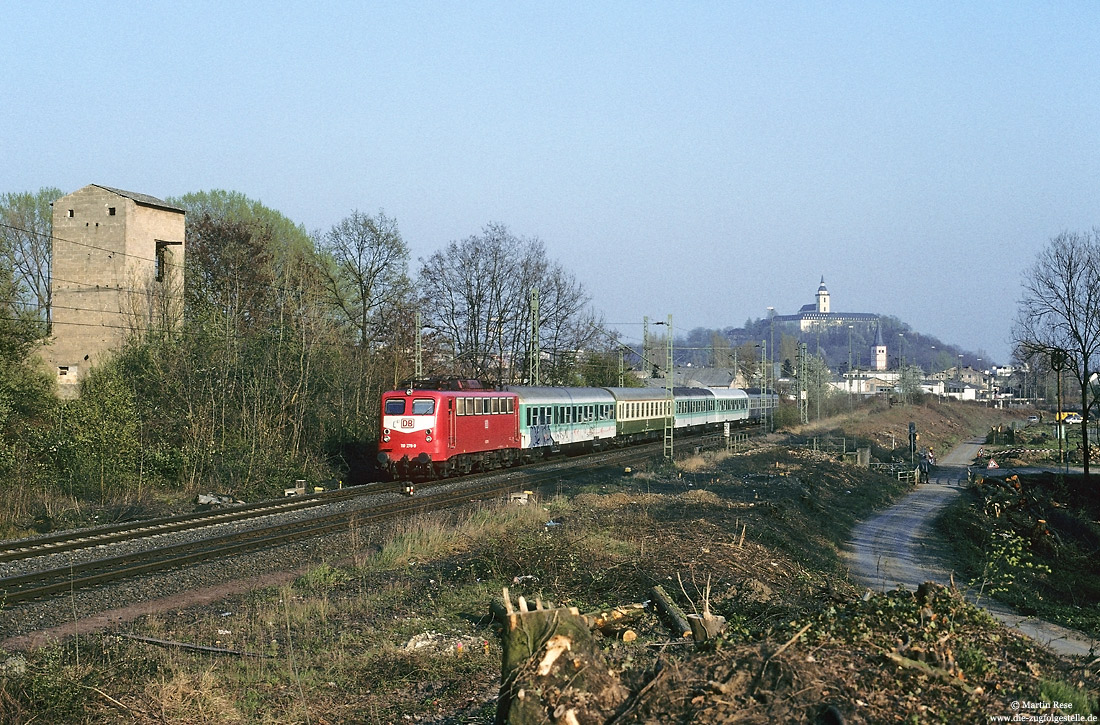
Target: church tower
822 297
878 350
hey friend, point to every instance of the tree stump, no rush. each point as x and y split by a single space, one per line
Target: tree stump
706 626
552 669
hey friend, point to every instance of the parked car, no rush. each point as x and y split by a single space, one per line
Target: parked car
1073 418
1032 419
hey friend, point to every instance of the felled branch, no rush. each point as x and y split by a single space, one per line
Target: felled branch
672 613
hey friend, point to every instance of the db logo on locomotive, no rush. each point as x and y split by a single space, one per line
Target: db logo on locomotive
407 423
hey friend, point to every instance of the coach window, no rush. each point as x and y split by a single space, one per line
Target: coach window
496 405
423 406
395 406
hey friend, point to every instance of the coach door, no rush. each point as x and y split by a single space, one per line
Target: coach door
451 435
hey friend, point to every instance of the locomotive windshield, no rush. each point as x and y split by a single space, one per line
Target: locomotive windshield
423 406
395 406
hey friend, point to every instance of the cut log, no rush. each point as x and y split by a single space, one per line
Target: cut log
612 620
670 611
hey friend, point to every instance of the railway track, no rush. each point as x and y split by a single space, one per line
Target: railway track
211 543
104 535
26 587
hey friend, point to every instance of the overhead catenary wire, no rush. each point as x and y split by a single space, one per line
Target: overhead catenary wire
151 260
326 298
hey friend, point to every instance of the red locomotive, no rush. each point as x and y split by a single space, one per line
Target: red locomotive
452 429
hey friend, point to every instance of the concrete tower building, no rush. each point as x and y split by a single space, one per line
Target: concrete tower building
117 269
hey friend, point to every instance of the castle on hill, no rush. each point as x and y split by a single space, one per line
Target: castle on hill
819 314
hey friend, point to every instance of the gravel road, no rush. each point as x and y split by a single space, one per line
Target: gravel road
899 548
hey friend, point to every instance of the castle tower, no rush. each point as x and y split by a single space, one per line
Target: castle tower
822 297
878 350
117 269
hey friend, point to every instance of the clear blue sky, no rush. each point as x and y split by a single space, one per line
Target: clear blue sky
701 159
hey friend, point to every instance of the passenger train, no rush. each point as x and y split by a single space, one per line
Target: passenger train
449 428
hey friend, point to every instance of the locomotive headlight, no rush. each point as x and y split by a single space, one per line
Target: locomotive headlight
386 439
385 431
428 438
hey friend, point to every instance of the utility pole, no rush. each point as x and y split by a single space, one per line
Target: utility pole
764 385
621 367
817 385
849 368
803 397
670 402
647 363
419 349
771 346
536 353
1057 364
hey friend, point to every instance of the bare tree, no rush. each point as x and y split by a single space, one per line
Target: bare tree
26 225
475 295
365 266
368 275
1059 314
568 327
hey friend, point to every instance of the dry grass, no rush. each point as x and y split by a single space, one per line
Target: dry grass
700 496
192 698
22 509
430 536
706 461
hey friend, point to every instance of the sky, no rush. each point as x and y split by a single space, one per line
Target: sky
702 159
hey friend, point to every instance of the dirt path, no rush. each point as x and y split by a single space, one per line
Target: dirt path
898 548
115 617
